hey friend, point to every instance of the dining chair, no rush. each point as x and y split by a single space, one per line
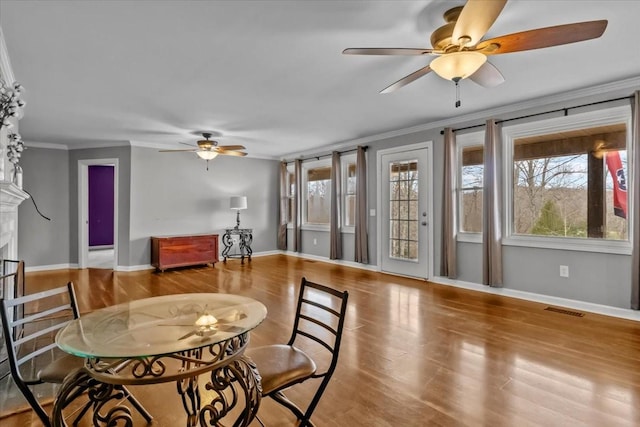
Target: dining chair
317 328
30 324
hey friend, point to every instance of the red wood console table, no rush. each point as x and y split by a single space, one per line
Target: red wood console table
181 251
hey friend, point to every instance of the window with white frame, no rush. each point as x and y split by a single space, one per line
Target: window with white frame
290 179
470 182
317 193
348 192
567 178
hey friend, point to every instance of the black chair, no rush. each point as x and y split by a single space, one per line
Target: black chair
318 323
30 324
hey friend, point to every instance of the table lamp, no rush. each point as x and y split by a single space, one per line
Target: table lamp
238 203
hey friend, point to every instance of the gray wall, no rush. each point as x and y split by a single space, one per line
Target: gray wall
175 194
46 177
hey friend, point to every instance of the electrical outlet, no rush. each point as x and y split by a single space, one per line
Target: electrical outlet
315 241
564 271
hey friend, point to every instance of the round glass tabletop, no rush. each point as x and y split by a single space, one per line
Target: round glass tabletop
160 325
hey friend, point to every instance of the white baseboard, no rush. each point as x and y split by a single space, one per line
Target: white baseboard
134 267
606 310
50 267
352 264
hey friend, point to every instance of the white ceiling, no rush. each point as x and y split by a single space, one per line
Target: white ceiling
270 74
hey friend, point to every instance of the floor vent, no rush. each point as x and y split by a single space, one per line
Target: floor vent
563 311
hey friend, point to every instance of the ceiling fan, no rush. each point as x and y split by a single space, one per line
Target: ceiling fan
462 53
208 149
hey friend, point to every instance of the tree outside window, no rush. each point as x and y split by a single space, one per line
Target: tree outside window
563 186
319 195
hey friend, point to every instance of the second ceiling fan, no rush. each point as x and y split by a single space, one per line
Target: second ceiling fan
461 52
208 149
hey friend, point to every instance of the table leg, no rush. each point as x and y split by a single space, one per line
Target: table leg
99 394
240 378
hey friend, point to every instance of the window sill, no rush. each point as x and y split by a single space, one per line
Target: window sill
315 227
469 237
570 244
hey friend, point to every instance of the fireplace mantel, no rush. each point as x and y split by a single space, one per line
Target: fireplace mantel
10 198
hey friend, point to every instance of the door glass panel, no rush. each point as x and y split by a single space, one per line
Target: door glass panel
403 208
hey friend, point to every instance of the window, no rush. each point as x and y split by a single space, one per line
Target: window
348 192
317 202
403 210
561 177
470 181
291 192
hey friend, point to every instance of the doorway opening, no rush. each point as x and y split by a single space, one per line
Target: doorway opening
98 213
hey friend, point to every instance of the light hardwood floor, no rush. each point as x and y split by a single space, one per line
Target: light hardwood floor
414 353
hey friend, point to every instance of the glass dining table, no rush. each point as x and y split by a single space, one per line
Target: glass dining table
161 339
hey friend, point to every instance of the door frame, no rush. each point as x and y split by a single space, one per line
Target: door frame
83 208
427 145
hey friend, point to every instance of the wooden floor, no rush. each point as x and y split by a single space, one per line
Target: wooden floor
414 353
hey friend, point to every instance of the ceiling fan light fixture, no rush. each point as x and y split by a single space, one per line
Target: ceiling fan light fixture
458 64
207 155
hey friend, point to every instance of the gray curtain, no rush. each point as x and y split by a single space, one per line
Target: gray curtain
448 259
635 224
492 207
284 202
362 239
297 202
335 243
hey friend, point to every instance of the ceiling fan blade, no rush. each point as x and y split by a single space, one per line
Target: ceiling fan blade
385 51
543 37
171 151
487 76
476 18
231 147
229 152
406 80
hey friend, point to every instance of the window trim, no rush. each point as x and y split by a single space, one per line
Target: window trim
463 141
345 160
291 170
305 168
590 119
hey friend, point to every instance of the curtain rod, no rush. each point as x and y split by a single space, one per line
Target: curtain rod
566 113
320 156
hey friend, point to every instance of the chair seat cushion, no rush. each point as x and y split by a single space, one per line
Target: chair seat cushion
55 371
281 366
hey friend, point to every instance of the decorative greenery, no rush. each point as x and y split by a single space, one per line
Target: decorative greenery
10 102
15 147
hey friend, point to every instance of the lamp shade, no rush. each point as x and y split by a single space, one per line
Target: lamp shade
238 202
458 64
207 155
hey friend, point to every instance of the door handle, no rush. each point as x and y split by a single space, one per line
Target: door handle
424 222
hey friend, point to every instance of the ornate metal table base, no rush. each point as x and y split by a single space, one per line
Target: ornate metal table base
245 238
234 381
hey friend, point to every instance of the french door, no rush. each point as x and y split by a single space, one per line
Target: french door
405 212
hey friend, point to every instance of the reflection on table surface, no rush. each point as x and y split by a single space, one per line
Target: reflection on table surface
160 325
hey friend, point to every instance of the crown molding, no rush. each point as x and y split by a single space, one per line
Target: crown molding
603 90
46 145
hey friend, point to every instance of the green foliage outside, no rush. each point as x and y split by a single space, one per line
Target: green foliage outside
551 223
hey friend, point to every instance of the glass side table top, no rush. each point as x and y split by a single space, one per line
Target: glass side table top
160 325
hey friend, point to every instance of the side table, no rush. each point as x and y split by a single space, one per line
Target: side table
245 237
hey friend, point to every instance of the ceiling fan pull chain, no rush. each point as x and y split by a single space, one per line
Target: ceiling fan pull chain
457 82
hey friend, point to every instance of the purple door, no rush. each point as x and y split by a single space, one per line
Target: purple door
101 205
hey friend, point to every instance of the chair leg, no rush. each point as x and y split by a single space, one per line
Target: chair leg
136 404
35 405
